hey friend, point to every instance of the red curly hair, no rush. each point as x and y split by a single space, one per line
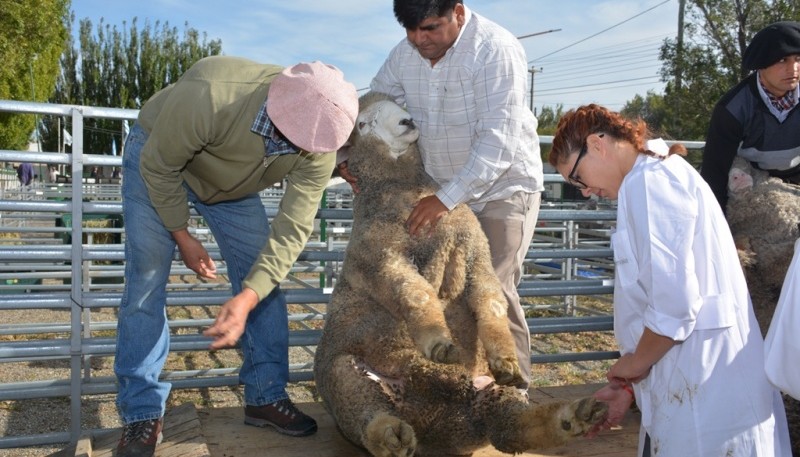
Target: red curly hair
577 124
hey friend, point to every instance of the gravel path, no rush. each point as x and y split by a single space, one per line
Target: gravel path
48 415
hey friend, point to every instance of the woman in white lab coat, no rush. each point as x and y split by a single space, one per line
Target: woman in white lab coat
691 348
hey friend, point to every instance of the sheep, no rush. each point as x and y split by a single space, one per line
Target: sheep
416 357
763 213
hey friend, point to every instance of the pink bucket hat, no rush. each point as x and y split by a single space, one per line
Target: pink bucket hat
313 106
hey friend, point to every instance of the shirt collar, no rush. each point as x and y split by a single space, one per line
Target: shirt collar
274 142
783 103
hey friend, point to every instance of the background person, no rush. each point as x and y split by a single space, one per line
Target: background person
757 118
690 343
25 174
463 80
223 132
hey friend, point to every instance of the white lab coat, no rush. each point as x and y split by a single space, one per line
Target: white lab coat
677 273
782 344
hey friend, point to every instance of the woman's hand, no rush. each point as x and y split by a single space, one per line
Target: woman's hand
619 401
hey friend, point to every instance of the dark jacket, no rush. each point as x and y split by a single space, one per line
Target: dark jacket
742 124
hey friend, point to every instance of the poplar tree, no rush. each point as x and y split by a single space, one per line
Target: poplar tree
32 35
121 67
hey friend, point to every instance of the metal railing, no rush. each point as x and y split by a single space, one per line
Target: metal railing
55 262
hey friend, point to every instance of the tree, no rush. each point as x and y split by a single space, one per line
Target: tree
650 109
121 68
32 35
709 61
548 120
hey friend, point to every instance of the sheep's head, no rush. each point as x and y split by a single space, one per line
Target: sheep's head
739 181
385 120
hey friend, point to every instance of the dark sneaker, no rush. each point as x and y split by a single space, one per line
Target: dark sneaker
139 439
283 416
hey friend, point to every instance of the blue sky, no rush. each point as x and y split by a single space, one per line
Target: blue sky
606 51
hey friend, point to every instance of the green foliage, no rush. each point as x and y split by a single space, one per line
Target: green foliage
548 120
709 63
651 109
121 68
32 35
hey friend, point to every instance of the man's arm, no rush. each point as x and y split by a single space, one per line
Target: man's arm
291 227
724 135
499 86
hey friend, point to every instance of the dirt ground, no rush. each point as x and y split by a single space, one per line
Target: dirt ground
99 411
48 415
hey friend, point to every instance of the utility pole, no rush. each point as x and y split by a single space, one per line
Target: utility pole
679 50
533 72
679 69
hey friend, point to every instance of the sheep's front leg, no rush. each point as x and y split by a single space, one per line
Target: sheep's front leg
489 305
396 284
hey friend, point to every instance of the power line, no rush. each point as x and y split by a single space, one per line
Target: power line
594 73
604 86
649 42
617 62
602 83
601 32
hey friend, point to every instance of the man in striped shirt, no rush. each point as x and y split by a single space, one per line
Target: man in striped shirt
463 80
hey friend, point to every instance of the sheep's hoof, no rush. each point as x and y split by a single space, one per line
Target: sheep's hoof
445 352
505 370
582 415
389 436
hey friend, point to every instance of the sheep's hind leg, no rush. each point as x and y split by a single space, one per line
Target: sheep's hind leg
389 436
516 426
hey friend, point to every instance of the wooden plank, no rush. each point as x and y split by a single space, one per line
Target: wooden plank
227 436
182 436
221 432
83 447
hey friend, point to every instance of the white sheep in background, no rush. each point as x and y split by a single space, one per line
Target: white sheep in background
763 214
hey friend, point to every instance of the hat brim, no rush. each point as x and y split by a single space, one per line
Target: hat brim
315 110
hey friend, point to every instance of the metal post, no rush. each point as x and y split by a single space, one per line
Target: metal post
76 293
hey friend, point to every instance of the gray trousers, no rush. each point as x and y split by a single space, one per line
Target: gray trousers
509 224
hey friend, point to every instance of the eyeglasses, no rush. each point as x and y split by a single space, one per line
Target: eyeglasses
571 177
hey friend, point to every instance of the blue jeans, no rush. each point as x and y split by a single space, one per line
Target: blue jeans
240 228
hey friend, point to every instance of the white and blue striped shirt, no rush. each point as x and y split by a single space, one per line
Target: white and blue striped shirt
477 135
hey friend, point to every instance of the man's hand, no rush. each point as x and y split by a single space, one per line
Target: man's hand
230 322
194 255
425 215
344 172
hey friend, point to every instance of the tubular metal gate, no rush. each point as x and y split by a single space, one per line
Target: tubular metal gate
62 249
